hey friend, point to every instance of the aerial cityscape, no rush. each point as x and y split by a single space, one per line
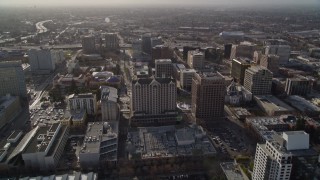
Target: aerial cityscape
160 90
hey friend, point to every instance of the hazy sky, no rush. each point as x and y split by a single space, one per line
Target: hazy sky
152 2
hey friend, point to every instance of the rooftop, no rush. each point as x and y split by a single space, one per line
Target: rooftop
149 80
163 61
273 103
86 95
109 93
302 104
231 171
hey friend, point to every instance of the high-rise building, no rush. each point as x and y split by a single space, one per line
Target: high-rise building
163 68
196 59
243 50
283 51
89 44
110 109
156 41
270 62
86 102
275 159
238 68
258 80
153 101
42 61
112 41
186 76
208 93
257 57
227 50
12 79
298 85
161 52
146 45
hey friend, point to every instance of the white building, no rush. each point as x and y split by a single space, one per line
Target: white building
109 103
283 51
186 76
237 94
42 61
86 101
273 159
195 59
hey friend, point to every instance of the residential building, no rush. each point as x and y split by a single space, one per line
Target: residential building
238 68
10 107
163 68
283 51
153 101
208 93
186 76
273 106
112 41
42 61
275 158
89 44
258 80
298 85
270 62
87 101
100 145
196 59
110 109
12 79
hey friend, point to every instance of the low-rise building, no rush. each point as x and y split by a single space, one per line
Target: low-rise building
87 101
272 105
74 118
303 105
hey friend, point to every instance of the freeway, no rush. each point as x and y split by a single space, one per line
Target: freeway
40 27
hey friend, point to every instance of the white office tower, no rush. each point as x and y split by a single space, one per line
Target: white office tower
273 159
283 51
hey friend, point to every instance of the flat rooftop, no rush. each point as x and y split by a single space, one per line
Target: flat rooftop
302 104
231 171
271 102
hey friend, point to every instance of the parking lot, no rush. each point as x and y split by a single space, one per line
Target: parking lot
43 116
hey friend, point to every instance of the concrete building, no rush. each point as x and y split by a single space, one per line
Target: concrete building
74 119
196 59
153 101
186 76
257 57
9 107
42 61
258 80
208 93
74 176
89 44
283 51
237 94
100 145
110 109
161 52
303 105
244 49
270 62
86 101
12 79
272 105
177 68
238 68
163 68
298 85
275 158
112 41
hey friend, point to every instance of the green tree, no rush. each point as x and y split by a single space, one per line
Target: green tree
301 123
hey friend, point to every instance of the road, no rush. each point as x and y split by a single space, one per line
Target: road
40 27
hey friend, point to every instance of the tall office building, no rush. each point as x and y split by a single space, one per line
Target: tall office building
238 68
146 45
112 41
208 93
227 51
86 102
298 85
283 51
12 79
153 101
110 109
270 62
196 59
258 80
186 76
275 158
161 52
89 44
244 50
42 61
163 68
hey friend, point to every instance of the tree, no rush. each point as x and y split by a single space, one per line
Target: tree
301 123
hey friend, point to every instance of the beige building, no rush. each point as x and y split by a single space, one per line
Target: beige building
270 62
186 76
258 80
153 101
195 59
244 50
208 93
